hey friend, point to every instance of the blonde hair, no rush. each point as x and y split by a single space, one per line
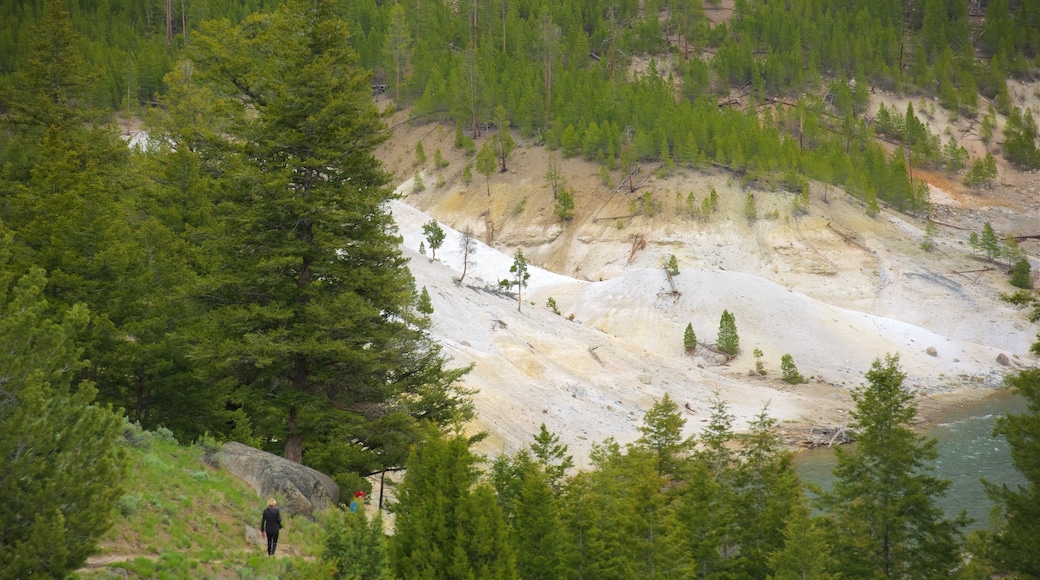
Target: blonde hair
271 502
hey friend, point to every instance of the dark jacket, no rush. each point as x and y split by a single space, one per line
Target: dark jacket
271 521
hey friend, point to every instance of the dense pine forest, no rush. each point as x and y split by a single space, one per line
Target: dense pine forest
241 277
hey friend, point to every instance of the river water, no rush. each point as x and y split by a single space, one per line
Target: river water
967 452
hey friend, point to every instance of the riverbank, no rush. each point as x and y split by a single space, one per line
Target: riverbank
968 451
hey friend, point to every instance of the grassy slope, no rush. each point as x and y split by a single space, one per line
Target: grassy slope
180 518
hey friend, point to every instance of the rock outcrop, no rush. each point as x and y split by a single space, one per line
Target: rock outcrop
299 489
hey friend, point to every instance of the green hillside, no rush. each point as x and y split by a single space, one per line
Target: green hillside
180 518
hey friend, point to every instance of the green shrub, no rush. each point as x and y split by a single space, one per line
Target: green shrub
789 372
438 160
760 367
165 435
355 545
564 208
420 155
551 305
127 505
750 211
673 265
1018 298
648 204
134 436
1020 274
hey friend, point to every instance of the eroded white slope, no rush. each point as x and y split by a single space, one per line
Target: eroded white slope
595 376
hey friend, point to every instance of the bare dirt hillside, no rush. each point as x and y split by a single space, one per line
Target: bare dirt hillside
835 289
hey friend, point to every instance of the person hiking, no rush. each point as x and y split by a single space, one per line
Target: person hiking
270 525
359 501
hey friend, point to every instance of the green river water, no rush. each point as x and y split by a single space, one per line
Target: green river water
967 452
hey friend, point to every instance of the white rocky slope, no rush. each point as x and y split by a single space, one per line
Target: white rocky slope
595 376
834 288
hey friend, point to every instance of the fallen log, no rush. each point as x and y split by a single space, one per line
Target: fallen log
840 432
946 225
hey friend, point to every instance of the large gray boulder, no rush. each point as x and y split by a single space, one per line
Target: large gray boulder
299 489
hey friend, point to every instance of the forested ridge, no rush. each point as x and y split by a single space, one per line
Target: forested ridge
242 277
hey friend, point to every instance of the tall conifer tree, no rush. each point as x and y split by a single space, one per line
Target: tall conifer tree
884 499
448 524
728 341
309 317
60 466
1014 545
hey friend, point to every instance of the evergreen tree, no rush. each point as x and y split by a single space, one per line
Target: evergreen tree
973 242
438 159
760 367
1013 546
468 245
528 497
807 552
982 173
420 155
767 494
308 299
552 455
60 467
570 142
619 521
872 202
750 210
49 88
447 524
689 338
355 545
435 235
503 138
554 175
520 276
507 476
883 499
538 541
486 164
673 265
708 496
1020 139
789 372
928 242
564 206
424 305
82 212
728 341
713 200
989 243
1021 274
661 435
398 47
